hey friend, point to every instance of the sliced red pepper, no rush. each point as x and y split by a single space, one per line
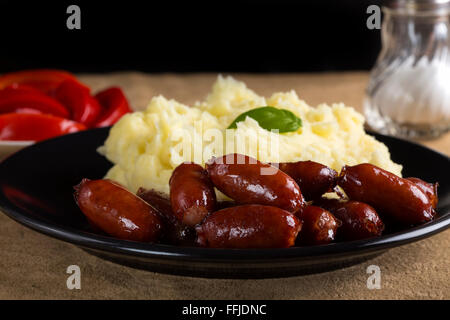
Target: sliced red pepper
22 86
46 80
26 110
82 106
35 127
114 104
22 99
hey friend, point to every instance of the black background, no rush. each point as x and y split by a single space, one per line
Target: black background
276 309
189 36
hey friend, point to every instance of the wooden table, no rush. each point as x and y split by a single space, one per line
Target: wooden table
34 266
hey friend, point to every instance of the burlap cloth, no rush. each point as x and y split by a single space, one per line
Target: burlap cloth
34 266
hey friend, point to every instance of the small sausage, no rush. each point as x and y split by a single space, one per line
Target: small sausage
249 226
157 200
175 232
430 189
359 220
319 226
314 179
249 181
396 198
192 194
117 211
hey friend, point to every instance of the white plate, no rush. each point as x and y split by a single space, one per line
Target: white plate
9 147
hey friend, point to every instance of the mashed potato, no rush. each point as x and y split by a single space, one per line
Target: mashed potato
146 146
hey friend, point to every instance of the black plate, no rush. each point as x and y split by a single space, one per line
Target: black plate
36 190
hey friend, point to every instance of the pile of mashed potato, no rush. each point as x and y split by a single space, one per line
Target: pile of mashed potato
146 146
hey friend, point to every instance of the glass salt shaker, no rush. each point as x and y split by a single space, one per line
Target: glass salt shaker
409 89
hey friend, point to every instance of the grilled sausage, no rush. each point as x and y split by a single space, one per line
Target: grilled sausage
175 232
314 179
192 194
117 211
249 226
430 189
319 226
249 181
359 220
397 198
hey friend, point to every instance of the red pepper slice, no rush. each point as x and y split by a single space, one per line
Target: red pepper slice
22 99
35 127
83 107
46 80
114 104
27 110
22 86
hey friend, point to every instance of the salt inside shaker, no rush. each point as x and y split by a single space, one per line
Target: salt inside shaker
409 90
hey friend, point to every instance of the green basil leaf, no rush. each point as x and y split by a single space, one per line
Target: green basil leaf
271 118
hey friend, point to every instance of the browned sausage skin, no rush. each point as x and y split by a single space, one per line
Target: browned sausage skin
117 211
314 179
175 232
161 201
319 226
249 181
192 194
158 200
397 198
430 189
249 226
359 220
